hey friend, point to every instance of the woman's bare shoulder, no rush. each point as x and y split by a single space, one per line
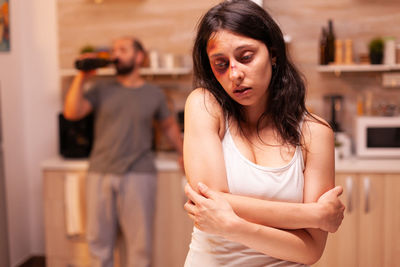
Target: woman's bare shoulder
316 128
202 105
202 101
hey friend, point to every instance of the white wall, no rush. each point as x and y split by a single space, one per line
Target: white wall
13 141
30 102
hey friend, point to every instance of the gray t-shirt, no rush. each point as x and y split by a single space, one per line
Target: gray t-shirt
123 130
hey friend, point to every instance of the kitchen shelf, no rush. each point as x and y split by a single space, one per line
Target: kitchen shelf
337 69
143 71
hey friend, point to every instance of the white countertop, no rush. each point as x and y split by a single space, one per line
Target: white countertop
165 161
363 165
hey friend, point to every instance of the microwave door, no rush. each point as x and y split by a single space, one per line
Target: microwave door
383 137
378 137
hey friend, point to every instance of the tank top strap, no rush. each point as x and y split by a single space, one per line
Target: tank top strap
226 123
298 148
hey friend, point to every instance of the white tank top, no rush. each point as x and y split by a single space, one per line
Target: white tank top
247 178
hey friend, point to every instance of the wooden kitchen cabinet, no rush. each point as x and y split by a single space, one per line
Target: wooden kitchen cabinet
391 218
61 250
173 230
172 226
370 232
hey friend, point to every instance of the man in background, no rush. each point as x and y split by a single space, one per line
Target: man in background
121 182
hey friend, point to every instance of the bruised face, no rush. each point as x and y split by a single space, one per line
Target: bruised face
241 65
127 56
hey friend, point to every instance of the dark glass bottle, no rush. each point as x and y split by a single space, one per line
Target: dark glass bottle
87 64
330 43
322 47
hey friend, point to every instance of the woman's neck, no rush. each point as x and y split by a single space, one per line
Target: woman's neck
254 112
253 115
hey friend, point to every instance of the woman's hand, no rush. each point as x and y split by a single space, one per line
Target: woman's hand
210 211
331 210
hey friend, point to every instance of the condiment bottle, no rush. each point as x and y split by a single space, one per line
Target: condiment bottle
348 58
389 54
338 52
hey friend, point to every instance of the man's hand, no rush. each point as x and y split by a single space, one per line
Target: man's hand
331 210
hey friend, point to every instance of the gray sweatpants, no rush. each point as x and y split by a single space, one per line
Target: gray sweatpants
125 201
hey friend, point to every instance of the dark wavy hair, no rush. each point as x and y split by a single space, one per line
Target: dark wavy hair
285 106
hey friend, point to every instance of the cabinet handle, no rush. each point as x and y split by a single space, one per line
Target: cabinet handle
349 187
367 187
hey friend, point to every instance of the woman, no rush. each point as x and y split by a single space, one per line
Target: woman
249 140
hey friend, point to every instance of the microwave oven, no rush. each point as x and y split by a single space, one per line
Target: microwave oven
378 137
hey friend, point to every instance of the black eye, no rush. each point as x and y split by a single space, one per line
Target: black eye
220 64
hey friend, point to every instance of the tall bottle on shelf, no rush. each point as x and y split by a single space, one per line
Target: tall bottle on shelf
322 47
330 43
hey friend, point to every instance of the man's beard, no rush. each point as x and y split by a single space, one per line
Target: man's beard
125 69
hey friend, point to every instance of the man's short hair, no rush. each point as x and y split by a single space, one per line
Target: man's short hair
138 45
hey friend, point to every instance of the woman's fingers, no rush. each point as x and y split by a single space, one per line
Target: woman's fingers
332 211
205 191
190 207
338 190
193 195
192 217
191 210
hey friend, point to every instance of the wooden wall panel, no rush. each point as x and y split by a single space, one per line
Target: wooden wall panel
169 27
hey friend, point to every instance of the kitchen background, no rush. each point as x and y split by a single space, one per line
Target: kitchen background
168 27
46 36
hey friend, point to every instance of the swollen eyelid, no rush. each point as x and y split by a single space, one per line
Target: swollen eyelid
220 64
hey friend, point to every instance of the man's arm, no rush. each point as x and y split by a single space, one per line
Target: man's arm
76 106
171 129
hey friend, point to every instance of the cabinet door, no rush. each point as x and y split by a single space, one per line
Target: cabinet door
370 232
173 227
391 229
341 246
61 250
371 220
